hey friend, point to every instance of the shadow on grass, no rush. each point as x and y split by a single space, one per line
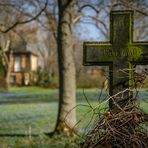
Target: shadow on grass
19 135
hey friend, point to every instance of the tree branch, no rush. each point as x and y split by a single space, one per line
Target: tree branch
53 23
90 6
132 7
24 22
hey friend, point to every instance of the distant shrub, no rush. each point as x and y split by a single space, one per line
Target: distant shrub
90 81
49 83
145 83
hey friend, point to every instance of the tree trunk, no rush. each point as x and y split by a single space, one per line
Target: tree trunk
3 85
9 68
5 67
66 119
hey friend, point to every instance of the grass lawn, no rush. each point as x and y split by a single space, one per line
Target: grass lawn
33 110
34 118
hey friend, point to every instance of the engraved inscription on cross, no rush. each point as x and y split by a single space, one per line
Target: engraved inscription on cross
120 54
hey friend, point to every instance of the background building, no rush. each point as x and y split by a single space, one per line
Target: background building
24 66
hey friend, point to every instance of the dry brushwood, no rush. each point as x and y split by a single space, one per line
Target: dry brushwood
127 128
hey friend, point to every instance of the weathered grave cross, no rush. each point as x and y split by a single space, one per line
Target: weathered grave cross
120 54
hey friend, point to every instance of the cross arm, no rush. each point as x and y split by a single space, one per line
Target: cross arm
97 52
139 51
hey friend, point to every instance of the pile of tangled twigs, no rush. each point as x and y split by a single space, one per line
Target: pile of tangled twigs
127 128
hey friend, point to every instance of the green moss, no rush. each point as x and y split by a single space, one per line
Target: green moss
135 53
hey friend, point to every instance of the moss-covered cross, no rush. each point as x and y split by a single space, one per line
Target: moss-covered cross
120 54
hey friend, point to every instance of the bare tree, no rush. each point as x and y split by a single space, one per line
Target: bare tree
8 24
66 67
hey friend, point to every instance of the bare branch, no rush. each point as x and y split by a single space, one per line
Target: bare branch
134 8
26 21
90 6
52 22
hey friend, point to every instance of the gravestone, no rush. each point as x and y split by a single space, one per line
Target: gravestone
120 54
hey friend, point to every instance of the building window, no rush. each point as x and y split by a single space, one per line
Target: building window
17 64
27 63
13 79
34 63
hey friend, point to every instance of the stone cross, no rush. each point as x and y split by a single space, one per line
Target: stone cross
120 54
